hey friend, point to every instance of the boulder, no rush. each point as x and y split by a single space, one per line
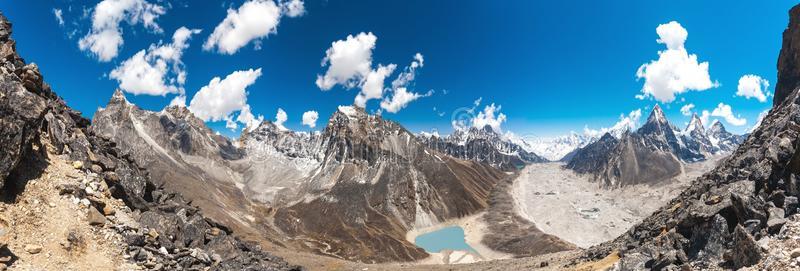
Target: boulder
776 220
748 207
790 205
33 248
95 218
746 252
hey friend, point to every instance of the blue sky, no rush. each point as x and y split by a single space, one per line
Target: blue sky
553 66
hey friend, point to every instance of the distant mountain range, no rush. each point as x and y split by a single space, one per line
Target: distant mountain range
654 152
508 150
482 145
351 191
557 148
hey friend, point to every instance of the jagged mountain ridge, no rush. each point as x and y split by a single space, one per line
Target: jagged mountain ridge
180 153
723 140
654 152
482 145
379 179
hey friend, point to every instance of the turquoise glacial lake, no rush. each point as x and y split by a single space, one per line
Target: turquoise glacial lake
451 238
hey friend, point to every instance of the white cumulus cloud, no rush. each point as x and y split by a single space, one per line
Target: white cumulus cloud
373 85
490 116
59 16
686 110
349 63
625 123
676 71
310 118
280 119
753 86
252 21
705 116
724 111
157 70
105 37
293 8
247 118
401 97
221 98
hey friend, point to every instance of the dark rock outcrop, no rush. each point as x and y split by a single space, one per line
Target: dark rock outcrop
789 59
32 115
22 109
596 155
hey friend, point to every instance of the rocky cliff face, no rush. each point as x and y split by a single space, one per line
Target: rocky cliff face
482 145
719 221
594 156
35 123
788 60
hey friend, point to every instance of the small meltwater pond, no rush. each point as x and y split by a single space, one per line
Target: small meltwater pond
448 238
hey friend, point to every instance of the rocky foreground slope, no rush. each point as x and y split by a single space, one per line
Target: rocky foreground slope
721 220
39 133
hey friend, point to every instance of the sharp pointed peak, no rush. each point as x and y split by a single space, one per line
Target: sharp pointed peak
718 126
656 107
607 136
696 124
657 115
351 111
118 96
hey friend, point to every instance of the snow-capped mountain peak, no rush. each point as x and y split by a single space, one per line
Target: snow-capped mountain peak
657 116
723 140
695 125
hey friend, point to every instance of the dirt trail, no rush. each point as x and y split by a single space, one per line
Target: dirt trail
47 231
